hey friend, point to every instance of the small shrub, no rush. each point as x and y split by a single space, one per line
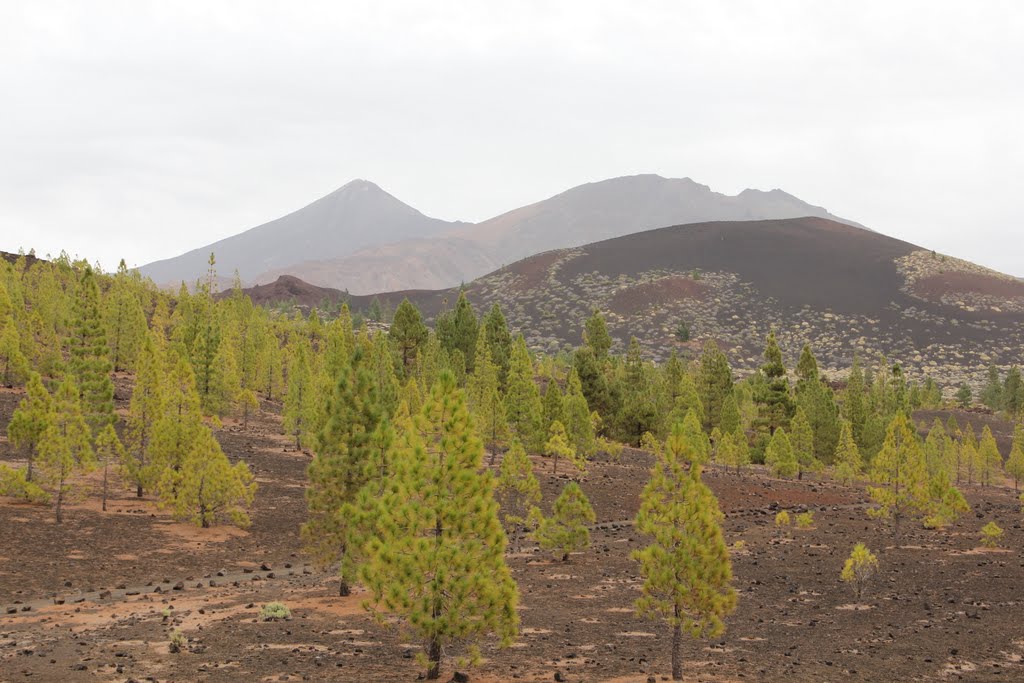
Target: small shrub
859 568
178 641
782 519
991 534
275 611
805 520
683 332
166 613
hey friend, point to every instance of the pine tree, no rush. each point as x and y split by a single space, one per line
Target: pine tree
345 462
686 568
109 451
1015 463
688 399
780 457
566 530
899 475
689 441
300 404
964 397
125 321
207 488
989 459
499 341
517 490
715 384
485 399
144 410
178 424
806 369
558 446
438 561
848 462
854 405
14 367
553 405
523 408
459 329
89 362
596 337
29 422
578 422
65 449
818 402
802 440
731 421
247 403
774 402
408 334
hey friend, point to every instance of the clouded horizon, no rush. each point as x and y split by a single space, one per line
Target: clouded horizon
144 129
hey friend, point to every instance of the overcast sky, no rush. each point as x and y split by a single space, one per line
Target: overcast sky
140 130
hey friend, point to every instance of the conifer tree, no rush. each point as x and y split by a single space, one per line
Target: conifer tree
578 422
125 321
25 430
1015 463
688 399
178 424
109 451
964 397
485 399
854 408
553 405
144 410
271 380
774 402
207 488
596 337
899 475
848 462
818 402
343 464
806 369
969 460
459 329
989 459
802 440
65 449
14 367
438 559
300 404
89 362
566 530
225 382
408 334
731 421
715 384
499 341
247 404
523 408
558 446
686 568
780 457
517 490
689 441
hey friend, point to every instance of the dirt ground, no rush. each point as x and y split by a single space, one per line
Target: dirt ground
97 599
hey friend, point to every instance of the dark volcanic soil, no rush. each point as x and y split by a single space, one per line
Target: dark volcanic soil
940 609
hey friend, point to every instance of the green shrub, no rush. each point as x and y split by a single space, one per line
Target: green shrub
275 611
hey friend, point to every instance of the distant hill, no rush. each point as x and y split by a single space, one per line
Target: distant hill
363 240
353 217
839 288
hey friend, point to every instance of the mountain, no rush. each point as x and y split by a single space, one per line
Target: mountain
353 217
362 239
839 288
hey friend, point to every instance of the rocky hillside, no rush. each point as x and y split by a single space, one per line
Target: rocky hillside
839 288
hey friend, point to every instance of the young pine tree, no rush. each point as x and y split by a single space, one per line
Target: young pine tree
686 568
109 452
779 456
558 446
523 408
25 430
300 404
1015 463
344 463
485 399
990 462
89 361
566 530
438 559
65 449
517 491
207 488
848 464
144 410
899 474
802 440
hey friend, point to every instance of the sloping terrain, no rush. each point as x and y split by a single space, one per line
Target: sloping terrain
361 239
839 288
353 217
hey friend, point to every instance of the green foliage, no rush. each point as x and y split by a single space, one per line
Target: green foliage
109 452
30 419
780 457
65 449
558 446
686 568
14 366
578 422
859 568
714 384
848 463
991 534
566 530
775 405
683 332
144 411
517 490
206 488
805 520
437 561
275 611
407 334
458 329
523 408
802 442
899 474
302 401
964 397
782 518
485 400
990 462
13 483
89 362
1015 463
596 337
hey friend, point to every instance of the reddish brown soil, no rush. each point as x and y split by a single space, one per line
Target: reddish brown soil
939 610
532 271
934 287
664 291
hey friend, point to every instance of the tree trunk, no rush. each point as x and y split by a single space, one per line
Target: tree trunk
60 501
677 650
138 491
554 466
434 655
28 474
104 487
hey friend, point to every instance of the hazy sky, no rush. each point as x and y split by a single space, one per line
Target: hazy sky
141 129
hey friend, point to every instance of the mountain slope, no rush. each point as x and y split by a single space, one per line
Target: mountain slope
358 215
839 288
